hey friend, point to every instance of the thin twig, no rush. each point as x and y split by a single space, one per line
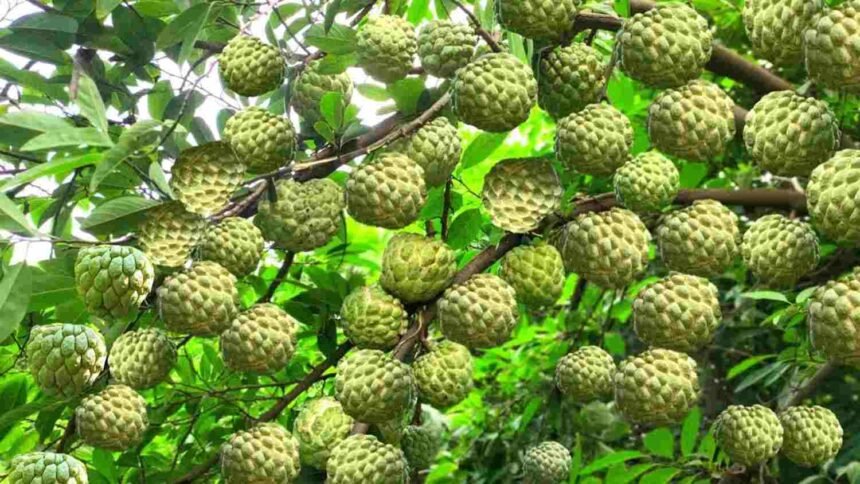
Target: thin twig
488 38
446 208
279 278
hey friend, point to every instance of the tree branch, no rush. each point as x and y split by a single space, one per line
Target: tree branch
804 391
476 24
289 256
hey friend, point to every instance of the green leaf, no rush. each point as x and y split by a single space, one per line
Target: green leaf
35 121
14 298
138 136
90 103
156 173
57 166
465 228
622 7
373 92
660 476
107 215
33 80
105 7
330 13
13 218
22 411
68 138
156 8
331 108
324 130
692 174
187 23
766 295
610 460
406 94
746 365
340 39
690 431
480 148
758 376
804 295
103 463
660 442
46 21
333 64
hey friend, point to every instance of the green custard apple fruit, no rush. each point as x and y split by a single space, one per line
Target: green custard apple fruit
834 320
47 468
265 453
113 280
495 92
235 243
387 192
832 47
422 443
811 435
479 313
261 339
435 147
263 140
65 359
570 77
373 387
656 387
444 47
585 374
443 375
205 176
364 459
536 272
647 183
250 67
520 192
776 28
594 141
113 419
831 200
168 233
373 319
779 250
748 434
312 83
142 359
319 427
305 215
537 19
416 268
385 46
702 239
546 463
201 300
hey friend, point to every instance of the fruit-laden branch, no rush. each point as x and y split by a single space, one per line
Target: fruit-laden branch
808 387
476 24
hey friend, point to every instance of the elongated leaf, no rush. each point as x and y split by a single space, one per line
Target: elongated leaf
22 411
690 431
35 121
13 218
660 476
481 147
58 166
67 138
90 103
141 134
192 33
661 442
339 39
746 365
33 80
14 297
157 176
115 211
48 21
767 295
188 21
610 460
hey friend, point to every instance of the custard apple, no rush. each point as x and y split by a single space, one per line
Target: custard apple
364 459
536 272
520 192
201 300
416 268
594 141
142 358
65 359
479 313
702 239
435 147
113 419
570 78
261 339
495 92
834 320
113 280
385 46
264 140
657 387
266 453
312 84
205 176
831 197
319 427
422 443
776 28
832 47
374 387
250 67
168 233
647 183
47 468
748 434
373 319
665 46
235 243
811 435
779 250
444 47
443 375
537 19
546 463
387 192
585 374
695 121
304 217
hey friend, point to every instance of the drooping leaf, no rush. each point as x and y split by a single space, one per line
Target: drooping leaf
68 138
465 228
339 39
480 148
660 442
35 121
186 23
690 431
107 217
12 218
55 167
14 297
90 103
142 134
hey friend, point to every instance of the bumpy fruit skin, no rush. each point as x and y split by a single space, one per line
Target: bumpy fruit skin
168 233
387 192
830 197
695 121
789 135
363 458
495 92
265 141
537 19
205 176
385 46
594 141
679 312
444 47
373 319
113 280
65 359
311 85
113 419
520 192
657 387
811 435
834 320
779 250
305 216
201 300
647 183
416 268
47 468
319 427
702 239
570 78
776 28
142 359
536 273
435 147
832 47
250 67
235 243
422 443
266 453
608 248
585 374
748 434
546 463
373 387
479 313
261 339
444 374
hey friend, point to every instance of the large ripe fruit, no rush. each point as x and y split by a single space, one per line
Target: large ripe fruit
364 459
444 47
834 320
264 141
479 313
435 147
113 280
779 250
312 84
113 419
47 468
319 427
832 47
304 216
142 358
647 183
65 359
594 141
265 453
536 272
702 239
811 435
546 463
235 243
831 197
776 28
443 375
373 319
250 67
495 92
205 176
201 300
374 387
585 374
261 339
518 193
748 434
570 78
537 19
168 233
387 192
656 387
385 46
416 268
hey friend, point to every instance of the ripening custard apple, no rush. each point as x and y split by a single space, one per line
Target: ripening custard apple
608 248
536 272
647 183
702 239
831 197
657 387
443 375
320 425
695 121
570 77
142 358
385 46
595 140
546 463
65 359
776 28
519 192
265 453
205 176
47 468
748 434
250 67
435 147
373 319
312 84
422 443
306 215
201 300
235 243
789 135
585 374
444 47
364 459
261 339
811 435
416 268
265 141
834 320
779 250
168 233
374 387
479 313
679 312
113 280
113 419
832 47
537 19
495 92
387 192
665 46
